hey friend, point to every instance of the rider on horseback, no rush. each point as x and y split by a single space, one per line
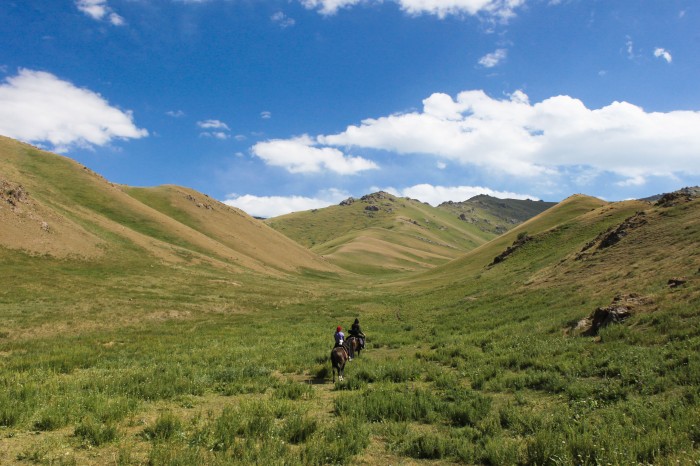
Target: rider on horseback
339 337
356 332
340 341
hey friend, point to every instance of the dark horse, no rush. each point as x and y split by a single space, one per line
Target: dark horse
339 356
355 345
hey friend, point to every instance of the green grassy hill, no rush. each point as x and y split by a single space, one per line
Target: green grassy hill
494 214
544 390
380 233
54 206
147 326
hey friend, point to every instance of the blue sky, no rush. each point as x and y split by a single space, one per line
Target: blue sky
275 106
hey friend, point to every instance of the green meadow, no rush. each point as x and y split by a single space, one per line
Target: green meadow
129 358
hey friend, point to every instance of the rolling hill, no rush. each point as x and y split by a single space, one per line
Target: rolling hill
380 233
51 205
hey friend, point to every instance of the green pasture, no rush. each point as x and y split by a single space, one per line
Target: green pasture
119 367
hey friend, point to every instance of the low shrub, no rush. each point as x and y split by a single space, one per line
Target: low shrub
294 391
93 433
166 426
297 429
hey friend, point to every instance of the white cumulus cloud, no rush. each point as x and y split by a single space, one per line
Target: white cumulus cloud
273 206
663 53
99 10
300 155
515 137
36 106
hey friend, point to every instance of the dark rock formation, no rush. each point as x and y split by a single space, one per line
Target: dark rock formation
517 244
621 308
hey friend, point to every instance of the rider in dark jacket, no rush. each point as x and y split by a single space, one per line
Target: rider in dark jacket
356 331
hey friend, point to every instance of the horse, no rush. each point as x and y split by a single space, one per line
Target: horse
355 345
339 356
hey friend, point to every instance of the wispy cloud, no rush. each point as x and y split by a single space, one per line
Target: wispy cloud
493 59
632 181
629 48
663 53
36 106
175 113
215 134
328 7
502 9
213 124
265 115
218 129
282 20
99 10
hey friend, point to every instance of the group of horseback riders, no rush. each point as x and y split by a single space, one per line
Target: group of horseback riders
356 332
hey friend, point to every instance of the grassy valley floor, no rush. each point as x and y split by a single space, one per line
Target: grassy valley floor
194 368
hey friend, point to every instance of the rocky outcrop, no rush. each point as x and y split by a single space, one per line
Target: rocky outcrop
679 197
13 194
523 239
199 204
621 309
614 236
675 282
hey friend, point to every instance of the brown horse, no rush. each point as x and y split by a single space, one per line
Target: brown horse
355 345
339 356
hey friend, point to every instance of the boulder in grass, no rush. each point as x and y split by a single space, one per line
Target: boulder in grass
621 309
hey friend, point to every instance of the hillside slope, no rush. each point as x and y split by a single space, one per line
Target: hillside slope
493 214
51 205
579 331
381 233
587 245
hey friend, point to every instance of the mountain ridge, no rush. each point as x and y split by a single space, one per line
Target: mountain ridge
380 233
